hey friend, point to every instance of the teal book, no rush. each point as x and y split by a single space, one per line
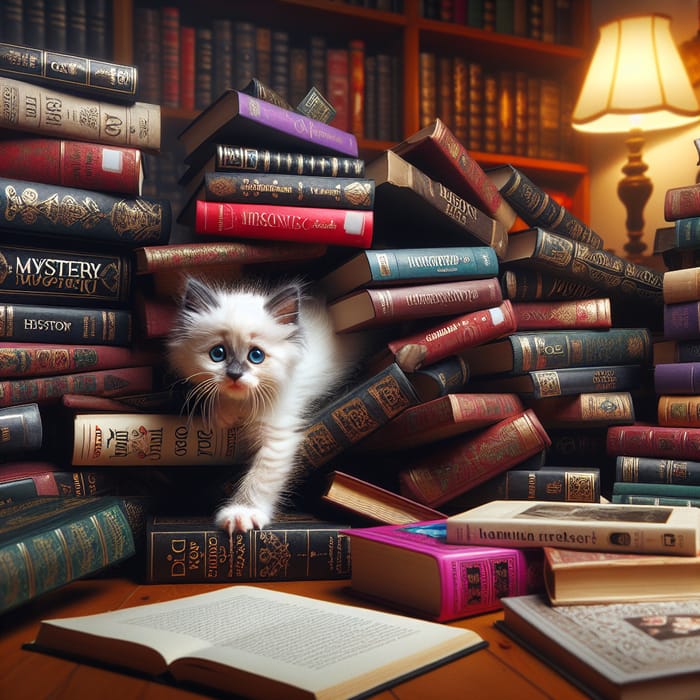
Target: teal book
666 490
48 542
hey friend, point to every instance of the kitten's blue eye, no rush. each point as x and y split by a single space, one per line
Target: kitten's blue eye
256 356
218 353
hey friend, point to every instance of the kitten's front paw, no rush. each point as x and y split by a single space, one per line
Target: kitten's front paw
235 518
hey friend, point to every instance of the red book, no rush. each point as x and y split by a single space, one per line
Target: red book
45 359
48 390
449 469
170 53
574 313
155 316
187 67
448 581
452 336
645 440
90 166
338 85
344 227
682 202
357 87
368 308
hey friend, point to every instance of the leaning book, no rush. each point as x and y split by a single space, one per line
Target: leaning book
620 651
603 527
261 643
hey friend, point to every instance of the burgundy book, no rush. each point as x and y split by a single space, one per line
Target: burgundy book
572 313
649 440
682 202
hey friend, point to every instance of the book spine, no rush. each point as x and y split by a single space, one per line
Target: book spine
58 71
147 46
656 470
456 334
356 414
532 285
290 190
204 70
46 480
682 321
21 428
682 202
188 43
670 490
679 411
140 439
52 276
48 324
453 469
677 378
322 135
76 29
441 378
576 313
170 56
97 40
201 554
590 410
687 232
44 359
55 211
53 113
681 285
578 380
653 441
67 163
56 19
639 499
85 541
353 228
356 69
537 208
244 67
261 160
49 390
338 85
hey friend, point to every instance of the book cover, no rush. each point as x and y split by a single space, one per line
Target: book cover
343 227
532 285
602 527
367 308
373 502
48 542
442 418
528 351
21 429
410 202
66 72
648 440
191 549
584 410
441 472
235 117
611 649
656 470
569 313
46 112
448 582
451 337
33 323
395 266
79 164
86 215
681 285
682 202
437 151
364 649
537 208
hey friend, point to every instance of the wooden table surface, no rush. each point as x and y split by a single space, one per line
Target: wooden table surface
500 672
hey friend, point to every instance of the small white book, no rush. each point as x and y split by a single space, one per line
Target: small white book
261 643
602 527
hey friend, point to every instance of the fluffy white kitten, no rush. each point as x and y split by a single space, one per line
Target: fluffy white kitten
259 359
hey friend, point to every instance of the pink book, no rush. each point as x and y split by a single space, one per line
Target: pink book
411 567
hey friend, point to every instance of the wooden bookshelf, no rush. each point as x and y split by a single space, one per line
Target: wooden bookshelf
404 34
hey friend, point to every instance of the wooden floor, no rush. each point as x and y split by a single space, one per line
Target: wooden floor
501 671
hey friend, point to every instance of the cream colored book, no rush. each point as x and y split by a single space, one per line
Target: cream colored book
603 527
261 643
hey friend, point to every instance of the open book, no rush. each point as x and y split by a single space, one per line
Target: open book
260 643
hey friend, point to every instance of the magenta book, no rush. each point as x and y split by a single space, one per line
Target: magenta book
449 581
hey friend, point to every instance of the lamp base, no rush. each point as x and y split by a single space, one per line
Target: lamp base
634 191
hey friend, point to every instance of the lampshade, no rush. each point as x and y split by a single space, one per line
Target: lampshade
636 79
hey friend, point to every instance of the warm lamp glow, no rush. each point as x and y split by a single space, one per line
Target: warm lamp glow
636 79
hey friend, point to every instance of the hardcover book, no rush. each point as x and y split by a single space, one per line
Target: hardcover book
342 227
602 527
644 440
679 410
531 285
574 577
569 313
681 285
448 582
585 410
48 542
616 650
191 549
670 351
365 649
21 428
46 112
436 151
656 470
682 202
408 202
681 321
396 266
367 308
235 118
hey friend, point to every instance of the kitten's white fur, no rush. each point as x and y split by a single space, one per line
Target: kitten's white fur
304 360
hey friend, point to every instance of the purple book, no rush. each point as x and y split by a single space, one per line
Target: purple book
236 118
682 320
677 378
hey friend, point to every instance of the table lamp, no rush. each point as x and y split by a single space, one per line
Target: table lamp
636 82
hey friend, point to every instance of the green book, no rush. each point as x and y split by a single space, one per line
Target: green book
48 542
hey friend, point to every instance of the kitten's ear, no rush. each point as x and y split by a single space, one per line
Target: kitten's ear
284 306
198 296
